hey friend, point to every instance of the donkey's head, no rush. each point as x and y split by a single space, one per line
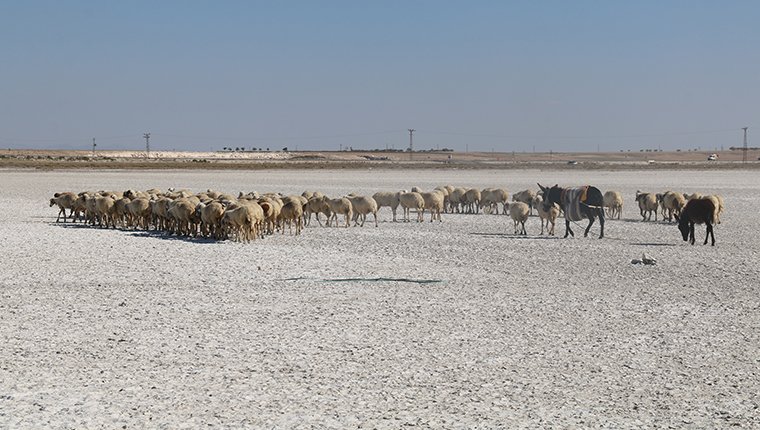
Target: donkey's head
551 196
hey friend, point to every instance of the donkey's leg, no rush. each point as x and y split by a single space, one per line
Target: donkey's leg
710 233
601 222
691 233
568 230
591 219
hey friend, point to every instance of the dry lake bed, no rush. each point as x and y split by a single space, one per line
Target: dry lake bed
127 329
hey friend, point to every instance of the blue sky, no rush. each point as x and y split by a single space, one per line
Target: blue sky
484 75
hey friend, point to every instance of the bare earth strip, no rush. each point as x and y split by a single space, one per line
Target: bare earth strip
109 328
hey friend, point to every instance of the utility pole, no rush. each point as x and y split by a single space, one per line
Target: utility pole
93 146
146 136
745 148
411 142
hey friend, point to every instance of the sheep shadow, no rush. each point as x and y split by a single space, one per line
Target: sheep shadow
651 244
162 235
638 221
71 225
153 234
514 236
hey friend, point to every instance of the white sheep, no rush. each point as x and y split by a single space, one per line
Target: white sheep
445 193
271 208
139 211
316 205
525 196
412 200
671 204
434 203
456 199
491 198
121 211
292 212
519 213
182 215
472 200
361 207
647 204
340 206
613 201
64 201
211 215
105 210
239 222
546 215
387 199
719 206
159 210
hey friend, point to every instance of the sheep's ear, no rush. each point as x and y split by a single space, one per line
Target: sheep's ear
556 186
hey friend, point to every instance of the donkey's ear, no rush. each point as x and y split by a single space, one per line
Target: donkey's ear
541 186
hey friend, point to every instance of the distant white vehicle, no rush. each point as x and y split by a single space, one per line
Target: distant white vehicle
712 157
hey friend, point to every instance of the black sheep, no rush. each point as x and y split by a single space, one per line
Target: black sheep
697 211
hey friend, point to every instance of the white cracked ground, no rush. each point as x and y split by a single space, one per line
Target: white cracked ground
114 329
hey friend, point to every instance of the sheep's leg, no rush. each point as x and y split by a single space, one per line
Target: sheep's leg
524 232
375 215
711 233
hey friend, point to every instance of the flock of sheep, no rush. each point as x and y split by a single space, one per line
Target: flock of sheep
249 216
671 204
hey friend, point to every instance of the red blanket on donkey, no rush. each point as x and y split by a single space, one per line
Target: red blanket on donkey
571 202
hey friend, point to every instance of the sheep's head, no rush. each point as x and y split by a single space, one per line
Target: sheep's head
52 202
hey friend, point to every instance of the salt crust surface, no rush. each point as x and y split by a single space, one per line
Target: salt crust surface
104 328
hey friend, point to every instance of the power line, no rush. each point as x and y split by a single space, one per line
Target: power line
631 136
281 138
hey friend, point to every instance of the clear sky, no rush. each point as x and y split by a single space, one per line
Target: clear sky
479 75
